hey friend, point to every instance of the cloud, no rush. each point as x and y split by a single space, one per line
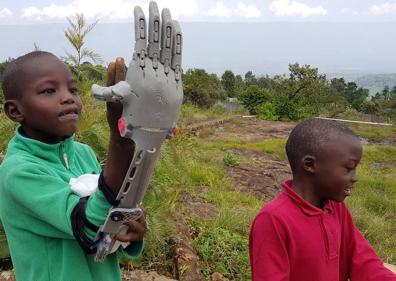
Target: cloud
384 8
5 12
220 11
247 11
242 10
104 9
283 8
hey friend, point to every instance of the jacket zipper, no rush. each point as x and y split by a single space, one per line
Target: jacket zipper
64 156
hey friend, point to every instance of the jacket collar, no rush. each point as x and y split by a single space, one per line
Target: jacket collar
61 152
304 205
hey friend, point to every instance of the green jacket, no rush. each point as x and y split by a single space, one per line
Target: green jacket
35 207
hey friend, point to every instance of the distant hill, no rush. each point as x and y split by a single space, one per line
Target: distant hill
373 82
376 83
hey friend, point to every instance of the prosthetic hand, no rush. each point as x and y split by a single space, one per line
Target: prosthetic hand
151 97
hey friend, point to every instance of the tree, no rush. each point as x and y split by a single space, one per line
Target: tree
250 78
229 82
254 96
201 88
386 94
76 34
301 95
353 94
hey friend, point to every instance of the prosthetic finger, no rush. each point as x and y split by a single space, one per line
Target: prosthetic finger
177 49
140 35
154 34
166 40
112 93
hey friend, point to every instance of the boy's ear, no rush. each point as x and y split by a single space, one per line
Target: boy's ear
12 110
309 163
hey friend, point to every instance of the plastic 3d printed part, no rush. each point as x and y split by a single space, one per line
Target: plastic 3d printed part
151 97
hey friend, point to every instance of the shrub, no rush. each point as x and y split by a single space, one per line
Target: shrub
231 160
267 111
253 96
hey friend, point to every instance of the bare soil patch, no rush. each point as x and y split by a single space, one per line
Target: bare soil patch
262 176
198 207
252 129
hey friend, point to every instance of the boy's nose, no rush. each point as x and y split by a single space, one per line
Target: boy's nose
67 97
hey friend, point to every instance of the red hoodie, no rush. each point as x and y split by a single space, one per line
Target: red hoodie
292 240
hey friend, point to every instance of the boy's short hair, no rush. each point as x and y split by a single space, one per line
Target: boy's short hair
12 82
311 136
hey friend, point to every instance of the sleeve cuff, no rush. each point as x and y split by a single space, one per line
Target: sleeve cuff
134 250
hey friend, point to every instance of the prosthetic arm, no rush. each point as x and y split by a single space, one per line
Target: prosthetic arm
151 97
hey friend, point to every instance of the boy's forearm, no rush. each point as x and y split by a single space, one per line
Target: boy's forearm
119 158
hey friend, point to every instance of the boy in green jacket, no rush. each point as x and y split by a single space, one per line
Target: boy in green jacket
50 229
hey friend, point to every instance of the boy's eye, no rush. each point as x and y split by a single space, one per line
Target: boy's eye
74 91
48 91
349 169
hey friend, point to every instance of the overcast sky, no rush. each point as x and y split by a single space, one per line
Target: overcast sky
44 11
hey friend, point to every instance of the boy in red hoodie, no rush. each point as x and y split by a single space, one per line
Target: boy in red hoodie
307 233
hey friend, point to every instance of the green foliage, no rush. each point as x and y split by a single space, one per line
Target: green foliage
301 95
372 203
7 129
267 111
250 78
353 94
369 107
229 83
1 96
201 88
253 96
223 251
385 103
76 34
3 66
231 160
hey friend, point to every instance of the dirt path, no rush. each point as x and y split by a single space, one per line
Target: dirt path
252 129
262 174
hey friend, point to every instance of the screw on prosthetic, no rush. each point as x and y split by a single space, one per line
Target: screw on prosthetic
151 97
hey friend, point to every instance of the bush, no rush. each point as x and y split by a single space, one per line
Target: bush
231 160
267 111
201 88
253 96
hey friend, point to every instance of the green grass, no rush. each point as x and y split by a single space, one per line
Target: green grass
374 133
373 203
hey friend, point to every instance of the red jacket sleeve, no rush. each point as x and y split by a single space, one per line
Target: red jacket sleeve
267 249
365 265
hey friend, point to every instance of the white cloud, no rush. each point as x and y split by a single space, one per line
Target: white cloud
114 10
384 8
247 11
220 11
292 8
242 10
5 12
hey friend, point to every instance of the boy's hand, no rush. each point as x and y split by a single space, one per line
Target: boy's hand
135 231
116 72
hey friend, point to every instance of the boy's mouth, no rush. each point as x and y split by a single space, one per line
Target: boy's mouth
69 114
